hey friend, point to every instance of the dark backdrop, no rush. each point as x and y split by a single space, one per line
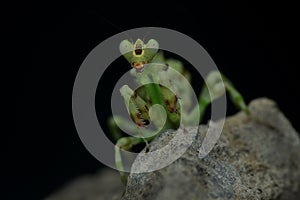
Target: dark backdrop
256 45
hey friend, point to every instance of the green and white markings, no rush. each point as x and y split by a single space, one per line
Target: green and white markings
139 54
161 117
91 71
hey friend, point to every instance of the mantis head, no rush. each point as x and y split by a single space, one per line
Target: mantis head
138 54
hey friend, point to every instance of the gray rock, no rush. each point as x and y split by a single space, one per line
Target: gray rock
101 186
256 157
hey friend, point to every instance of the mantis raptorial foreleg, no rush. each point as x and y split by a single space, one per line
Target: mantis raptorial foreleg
157 102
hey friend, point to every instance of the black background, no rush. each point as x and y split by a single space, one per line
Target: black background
254 44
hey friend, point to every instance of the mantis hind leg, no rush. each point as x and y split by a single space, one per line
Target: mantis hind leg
216 85
235 96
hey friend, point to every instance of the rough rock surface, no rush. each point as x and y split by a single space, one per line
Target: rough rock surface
256 157
103 185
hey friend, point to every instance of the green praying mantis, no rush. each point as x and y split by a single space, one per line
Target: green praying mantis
138 103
